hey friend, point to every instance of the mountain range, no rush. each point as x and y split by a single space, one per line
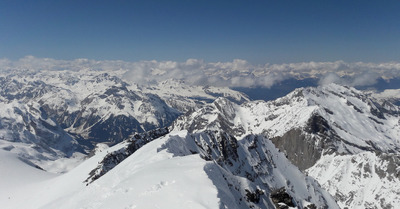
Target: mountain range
89 139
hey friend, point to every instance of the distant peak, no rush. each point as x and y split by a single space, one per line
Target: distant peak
172 81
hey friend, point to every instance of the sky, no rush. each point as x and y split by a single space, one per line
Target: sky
256 31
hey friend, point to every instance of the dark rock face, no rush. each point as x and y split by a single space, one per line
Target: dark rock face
112 130
281 199
115 129
252 159
303 147
299 148
254 196
218 146
311 206
393 163
317 125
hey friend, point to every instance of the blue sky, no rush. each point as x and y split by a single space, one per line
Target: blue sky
257 31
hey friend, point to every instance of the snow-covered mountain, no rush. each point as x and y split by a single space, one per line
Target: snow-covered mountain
183 97
393 95
55 114
172 145
176 170
319 129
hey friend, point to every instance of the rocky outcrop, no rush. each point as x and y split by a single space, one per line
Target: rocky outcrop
113 159
255 159
304 146
281 199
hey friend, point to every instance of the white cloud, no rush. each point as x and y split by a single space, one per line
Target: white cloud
330 77
238 73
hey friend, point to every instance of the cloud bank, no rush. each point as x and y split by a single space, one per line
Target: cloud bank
238 73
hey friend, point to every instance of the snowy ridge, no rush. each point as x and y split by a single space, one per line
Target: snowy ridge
183 97
354 117
358 118
310 124
252 168
393 95
174 172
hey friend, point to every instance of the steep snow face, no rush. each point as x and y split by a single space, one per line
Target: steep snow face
358 118
363 180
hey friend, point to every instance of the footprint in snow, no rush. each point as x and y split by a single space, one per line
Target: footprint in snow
158 187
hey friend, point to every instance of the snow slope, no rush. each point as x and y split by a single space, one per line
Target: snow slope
18 180
150 178
165 173
245 173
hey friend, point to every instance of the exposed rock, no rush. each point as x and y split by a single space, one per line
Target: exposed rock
254 196
281 199
113 159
